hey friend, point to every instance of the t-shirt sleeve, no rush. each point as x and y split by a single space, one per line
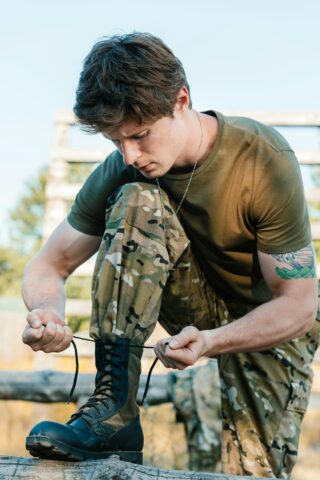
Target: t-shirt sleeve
280 209
87 213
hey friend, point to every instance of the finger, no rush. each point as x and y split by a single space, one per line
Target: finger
183 356
53 316
48 334
31 335
57 337
187 335
39 316
34 318
160 354
53 339
65 341
160 351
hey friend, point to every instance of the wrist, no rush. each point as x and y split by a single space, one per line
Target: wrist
210 343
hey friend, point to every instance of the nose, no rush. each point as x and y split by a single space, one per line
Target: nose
130 153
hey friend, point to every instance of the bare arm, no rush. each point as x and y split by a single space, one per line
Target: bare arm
291 279
43 286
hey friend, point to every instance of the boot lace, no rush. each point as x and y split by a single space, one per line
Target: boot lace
106 385
104 379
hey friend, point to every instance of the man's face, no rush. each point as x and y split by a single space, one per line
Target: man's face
152 148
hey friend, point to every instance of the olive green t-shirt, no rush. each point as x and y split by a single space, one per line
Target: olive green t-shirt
247 196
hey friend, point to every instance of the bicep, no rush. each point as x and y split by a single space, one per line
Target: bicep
67 248
291 274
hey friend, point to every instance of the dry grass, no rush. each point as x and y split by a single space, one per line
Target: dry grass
308 465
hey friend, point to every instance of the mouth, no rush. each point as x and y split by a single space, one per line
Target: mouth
145 168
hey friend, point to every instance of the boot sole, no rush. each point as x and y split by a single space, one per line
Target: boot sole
46 447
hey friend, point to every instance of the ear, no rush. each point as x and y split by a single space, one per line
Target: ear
182 102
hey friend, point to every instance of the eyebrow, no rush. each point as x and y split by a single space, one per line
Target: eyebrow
132 135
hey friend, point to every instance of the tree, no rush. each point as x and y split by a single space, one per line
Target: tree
25 232
25 238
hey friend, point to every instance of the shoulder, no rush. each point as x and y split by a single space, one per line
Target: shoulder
87 213
250 130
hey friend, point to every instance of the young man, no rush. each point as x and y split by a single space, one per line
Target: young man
201 223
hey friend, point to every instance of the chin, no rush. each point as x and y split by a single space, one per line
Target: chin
151 176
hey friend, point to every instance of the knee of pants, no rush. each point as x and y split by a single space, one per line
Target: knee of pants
129 189
147 191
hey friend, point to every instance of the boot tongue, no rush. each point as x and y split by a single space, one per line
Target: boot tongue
103 356
106 370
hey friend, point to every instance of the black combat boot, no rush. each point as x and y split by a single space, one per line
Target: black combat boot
108 423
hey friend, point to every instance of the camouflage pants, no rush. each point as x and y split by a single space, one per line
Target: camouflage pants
196 398
145 272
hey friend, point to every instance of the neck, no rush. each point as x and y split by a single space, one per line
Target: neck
202 133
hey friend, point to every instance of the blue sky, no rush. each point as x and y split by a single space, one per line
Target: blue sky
239 55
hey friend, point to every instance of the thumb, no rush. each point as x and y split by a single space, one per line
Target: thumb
34 319
187 335
175 342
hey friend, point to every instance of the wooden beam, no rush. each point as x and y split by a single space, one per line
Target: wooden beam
281 119
78 307
48 386
304 119
82 155
309 157
87 155
108 469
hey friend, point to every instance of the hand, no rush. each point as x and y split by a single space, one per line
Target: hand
182 350
46 331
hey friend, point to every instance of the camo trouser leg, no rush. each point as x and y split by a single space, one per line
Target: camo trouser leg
264 398
196 399
264 395
134 261
145 271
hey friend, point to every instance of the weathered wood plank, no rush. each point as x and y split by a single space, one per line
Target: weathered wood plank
48 386
109 469
310 119
86 155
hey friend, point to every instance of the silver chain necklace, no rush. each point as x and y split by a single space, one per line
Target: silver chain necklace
191 175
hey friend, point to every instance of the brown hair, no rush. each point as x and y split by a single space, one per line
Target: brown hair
134 76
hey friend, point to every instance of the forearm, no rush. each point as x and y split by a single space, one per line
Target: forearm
268 325
292 281
43 287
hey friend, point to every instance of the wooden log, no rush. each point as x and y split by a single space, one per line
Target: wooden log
48 386
109 469
303 119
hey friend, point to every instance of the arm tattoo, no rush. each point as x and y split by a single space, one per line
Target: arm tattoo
299 264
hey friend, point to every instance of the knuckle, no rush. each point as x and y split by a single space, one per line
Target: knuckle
67 331
37 334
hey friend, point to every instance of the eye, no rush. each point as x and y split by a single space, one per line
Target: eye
141 135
